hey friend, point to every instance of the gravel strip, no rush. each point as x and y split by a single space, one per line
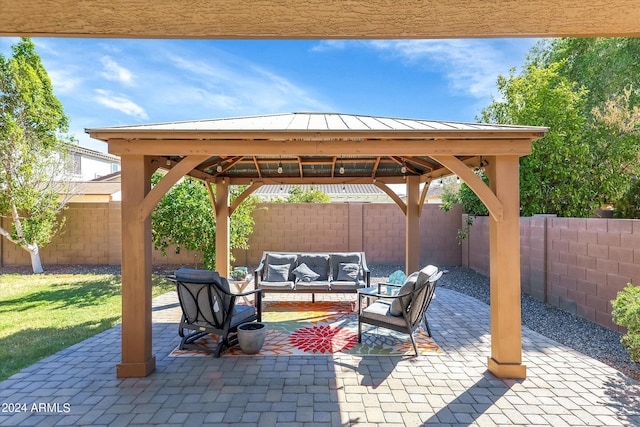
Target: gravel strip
580 334
573 331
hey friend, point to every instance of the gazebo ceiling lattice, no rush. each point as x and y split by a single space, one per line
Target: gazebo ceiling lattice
318 147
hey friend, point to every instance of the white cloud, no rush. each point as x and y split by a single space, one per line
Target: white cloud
115 72
470 66
326 45
239 85
120 103
63 81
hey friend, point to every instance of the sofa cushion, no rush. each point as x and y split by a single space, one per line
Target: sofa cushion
336 259
322 285
348 271
407 287
305 274
318 263
277 286
381 311
280 259
346 286
278 272
418 278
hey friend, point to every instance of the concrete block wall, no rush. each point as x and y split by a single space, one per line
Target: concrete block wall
589 261
91 235
378 229
576 264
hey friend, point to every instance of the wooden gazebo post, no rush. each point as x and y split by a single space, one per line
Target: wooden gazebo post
222 228
412 241
137 360
506 328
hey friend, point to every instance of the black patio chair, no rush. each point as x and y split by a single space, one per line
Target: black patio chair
405 311
209 307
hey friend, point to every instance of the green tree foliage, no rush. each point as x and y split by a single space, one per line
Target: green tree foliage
553 176
626 313
308 195
582 90
602 66
629 205
184 219
33 151
472 205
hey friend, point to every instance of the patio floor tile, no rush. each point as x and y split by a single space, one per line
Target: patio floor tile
563 387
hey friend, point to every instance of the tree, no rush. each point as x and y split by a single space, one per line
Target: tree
629 204
556 177
33 157
184 218
602 66
308 195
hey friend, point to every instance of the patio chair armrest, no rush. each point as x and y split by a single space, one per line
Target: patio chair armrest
393 285
244 294
378 295
366 271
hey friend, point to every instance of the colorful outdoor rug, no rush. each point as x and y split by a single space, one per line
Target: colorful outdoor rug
323 327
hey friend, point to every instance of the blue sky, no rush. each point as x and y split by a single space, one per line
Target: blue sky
111 82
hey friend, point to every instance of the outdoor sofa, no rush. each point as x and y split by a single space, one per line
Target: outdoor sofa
312 272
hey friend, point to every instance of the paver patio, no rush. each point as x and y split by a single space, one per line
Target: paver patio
563 387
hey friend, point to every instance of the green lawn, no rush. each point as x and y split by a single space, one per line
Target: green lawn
43 314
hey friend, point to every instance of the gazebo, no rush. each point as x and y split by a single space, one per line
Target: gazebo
319 148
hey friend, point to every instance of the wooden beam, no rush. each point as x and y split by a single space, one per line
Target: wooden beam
137 359
167 181
317 180
319 19
483 192
255 161
244 136
459 147
246 193
376 165
160 162
423 195
212 196
381 185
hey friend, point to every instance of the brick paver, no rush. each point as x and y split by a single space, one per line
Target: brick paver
77 386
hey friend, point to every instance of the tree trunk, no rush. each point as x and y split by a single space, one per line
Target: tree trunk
36 264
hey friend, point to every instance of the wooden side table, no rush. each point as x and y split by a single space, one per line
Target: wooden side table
241 285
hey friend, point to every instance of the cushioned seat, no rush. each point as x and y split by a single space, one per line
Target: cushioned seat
300 285
208 307
405 311
280 286
347 285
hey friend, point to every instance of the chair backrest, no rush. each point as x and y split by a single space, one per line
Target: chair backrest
204 302
422 296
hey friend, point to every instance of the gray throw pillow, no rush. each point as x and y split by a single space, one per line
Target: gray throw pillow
348 271
278 273
408 286
281 259
305 274
318 263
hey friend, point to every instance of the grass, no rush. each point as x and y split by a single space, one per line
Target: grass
43 314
